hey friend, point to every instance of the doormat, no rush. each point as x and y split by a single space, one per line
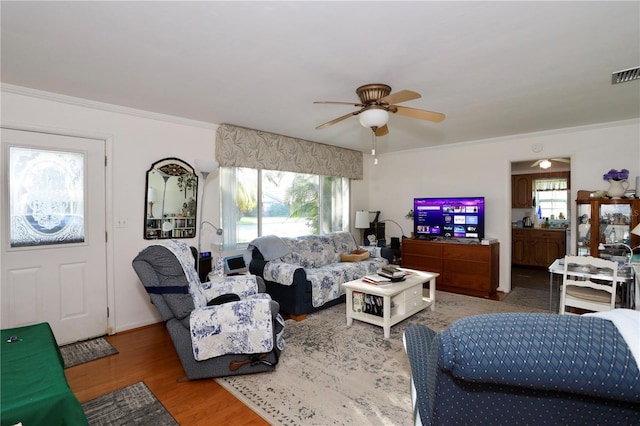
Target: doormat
85 351
132 405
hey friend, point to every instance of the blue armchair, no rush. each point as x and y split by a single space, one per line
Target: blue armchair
506 369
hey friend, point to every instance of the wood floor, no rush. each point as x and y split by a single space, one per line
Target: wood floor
147 354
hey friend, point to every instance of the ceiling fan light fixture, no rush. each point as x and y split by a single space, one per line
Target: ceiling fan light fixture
545 164
374 117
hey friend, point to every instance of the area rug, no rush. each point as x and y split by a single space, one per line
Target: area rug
531 297
133 405
333 374
85 351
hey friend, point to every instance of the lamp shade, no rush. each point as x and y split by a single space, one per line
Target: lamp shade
545 164
206 166
374 117
636 230
362 219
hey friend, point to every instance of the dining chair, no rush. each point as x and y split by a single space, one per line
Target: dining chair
588 283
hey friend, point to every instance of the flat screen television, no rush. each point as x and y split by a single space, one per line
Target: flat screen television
453 217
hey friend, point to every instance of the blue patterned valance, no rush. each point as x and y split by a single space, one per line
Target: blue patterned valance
241 147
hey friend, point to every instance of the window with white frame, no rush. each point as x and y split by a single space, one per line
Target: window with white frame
551 197
258 202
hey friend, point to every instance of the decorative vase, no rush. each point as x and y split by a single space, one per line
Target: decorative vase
617 188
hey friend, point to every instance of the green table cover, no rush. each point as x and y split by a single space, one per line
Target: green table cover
34 389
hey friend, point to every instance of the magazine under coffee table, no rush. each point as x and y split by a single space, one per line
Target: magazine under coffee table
400 300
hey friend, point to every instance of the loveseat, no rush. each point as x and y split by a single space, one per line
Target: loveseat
533 369
305 274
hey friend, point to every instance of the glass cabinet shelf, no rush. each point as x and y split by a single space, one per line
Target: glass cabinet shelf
606 221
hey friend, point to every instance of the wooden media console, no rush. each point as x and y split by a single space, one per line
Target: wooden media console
465 268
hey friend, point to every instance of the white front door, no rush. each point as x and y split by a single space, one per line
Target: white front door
53 259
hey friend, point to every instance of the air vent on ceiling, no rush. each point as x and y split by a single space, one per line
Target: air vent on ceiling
625 75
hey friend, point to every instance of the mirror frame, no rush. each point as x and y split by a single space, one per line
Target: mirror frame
173 220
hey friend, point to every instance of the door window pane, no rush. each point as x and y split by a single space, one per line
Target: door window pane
46 197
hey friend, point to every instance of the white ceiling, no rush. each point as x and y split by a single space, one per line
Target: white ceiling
494 68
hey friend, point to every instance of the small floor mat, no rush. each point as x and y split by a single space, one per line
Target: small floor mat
85 351
132 405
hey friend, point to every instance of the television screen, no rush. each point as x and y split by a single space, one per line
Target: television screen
454 217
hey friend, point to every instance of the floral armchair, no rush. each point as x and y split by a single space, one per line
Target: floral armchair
225 327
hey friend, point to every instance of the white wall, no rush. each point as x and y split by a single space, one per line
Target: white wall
135 143
483 168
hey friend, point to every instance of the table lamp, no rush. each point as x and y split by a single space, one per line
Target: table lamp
602 246
362 221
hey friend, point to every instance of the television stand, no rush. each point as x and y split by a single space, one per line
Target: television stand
465 268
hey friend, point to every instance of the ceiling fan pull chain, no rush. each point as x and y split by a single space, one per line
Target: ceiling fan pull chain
373 144
373 147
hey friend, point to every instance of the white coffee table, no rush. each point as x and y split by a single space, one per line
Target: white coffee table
400 300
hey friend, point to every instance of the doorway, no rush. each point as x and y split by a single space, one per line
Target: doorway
53 245
530 258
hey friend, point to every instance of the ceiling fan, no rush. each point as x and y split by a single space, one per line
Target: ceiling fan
546 163
376 102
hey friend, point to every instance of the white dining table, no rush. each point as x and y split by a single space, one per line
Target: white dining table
628 276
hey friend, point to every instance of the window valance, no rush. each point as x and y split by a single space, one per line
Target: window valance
551 185
241 147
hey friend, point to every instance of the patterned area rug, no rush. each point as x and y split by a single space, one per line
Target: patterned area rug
85 351
333 374
133 405
531 297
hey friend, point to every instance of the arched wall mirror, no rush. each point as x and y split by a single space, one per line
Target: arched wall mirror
171 200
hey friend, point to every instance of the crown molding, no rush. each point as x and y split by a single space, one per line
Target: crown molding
56 97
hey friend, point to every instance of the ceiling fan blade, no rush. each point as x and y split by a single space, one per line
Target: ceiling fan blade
401 96
339 103
419 113
337 120
562 160
537 163
381 131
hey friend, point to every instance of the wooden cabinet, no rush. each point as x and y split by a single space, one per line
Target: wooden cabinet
422 255
521 191
537 247
607 221
519 247
471 269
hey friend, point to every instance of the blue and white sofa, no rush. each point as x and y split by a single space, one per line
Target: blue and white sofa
530 369
305 274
